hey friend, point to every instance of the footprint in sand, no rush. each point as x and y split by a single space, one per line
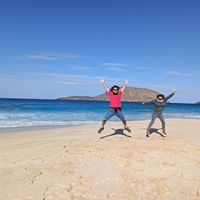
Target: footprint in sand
57 192
35 178
77 190
80 189
68 172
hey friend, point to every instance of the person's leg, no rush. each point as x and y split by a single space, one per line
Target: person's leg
153 118
125 126
160 116
110 114
121 116
102 126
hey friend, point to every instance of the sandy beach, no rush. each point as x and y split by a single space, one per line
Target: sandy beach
76 163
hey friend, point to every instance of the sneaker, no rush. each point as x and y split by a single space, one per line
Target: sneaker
101 129
147 135
128 129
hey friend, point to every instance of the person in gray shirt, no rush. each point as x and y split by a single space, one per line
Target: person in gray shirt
158 108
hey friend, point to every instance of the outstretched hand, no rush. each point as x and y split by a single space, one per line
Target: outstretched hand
174 90
104 85
126 83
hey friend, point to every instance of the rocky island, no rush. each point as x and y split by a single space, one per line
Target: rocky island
131 94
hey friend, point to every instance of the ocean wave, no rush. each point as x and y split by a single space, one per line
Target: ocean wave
18 124
183 115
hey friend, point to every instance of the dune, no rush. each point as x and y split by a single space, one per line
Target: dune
76 163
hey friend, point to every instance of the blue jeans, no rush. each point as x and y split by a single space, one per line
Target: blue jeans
112 112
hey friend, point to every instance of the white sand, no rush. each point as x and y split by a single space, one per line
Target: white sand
75 164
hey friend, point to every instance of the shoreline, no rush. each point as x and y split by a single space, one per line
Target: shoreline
50 127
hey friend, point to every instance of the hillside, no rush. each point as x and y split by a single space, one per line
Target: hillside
131 94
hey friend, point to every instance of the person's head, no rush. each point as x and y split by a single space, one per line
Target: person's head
160 97
115 89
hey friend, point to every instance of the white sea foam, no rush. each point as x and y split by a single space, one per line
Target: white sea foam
15 124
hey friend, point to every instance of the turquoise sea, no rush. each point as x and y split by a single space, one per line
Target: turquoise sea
39 113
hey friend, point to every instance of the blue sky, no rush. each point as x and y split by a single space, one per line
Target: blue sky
50 48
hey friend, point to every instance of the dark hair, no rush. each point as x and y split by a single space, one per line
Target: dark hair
160 95
115 86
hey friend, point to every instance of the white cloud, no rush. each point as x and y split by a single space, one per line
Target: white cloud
63 79
79 67
196 72
79 80
148 85
144 68
115 66
75 80
67 79
5 77
176 73
48 56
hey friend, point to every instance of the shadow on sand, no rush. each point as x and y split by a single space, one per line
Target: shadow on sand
156 130
117 132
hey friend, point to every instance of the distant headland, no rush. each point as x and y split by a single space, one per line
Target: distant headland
131 94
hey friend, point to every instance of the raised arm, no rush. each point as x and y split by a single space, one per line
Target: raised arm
171 95
123 88
104 85
148 102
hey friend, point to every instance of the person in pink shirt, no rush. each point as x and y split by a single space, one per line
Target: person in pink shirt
114 94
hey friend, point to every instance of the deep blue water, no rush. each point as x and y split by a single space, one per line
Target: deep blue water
33 113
